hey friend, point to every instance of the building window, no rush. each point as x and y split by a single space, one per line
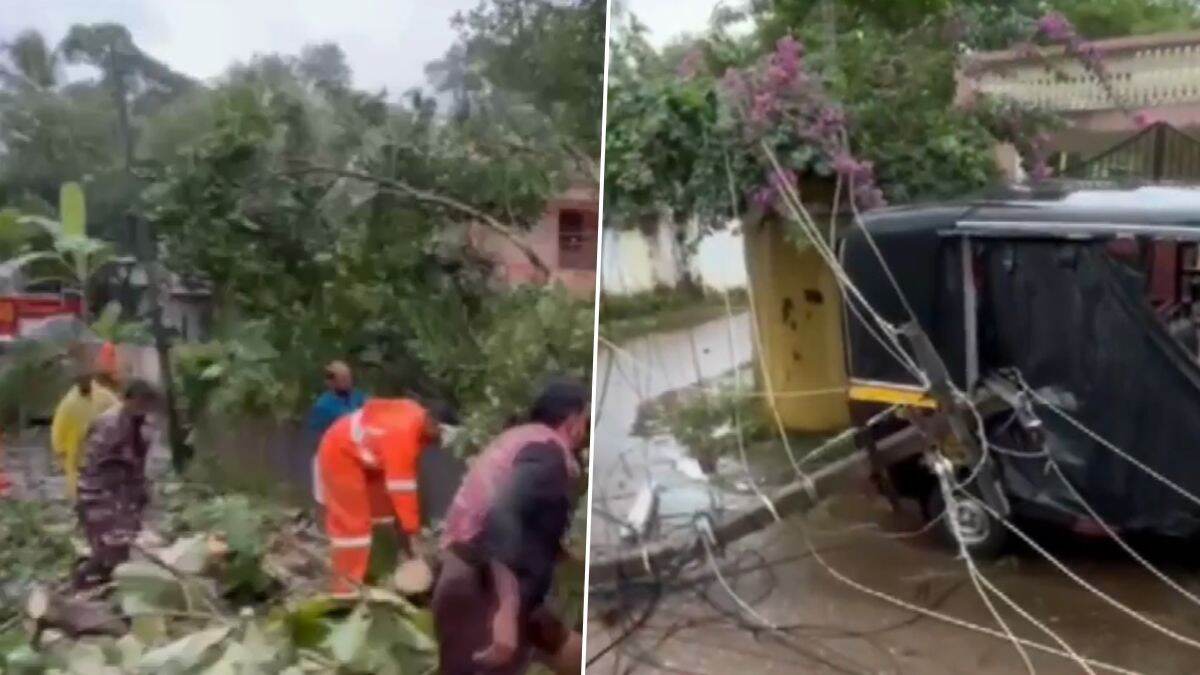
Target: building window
576 240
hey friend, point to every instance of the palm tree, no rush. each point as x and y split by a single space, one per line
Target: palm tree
32 64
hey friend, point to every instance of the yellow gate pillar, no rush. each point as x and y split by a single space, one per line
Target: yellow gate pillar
799 311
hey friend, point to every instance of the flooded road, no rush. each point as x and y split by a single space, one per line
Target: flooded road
821 624
633 374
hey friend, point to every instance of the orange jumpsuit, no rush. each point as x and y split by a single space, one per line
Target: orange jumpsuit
107 363
367 464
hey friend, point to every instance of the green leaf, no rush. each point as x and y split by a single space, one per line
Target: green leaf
348 638
184 654
28 259
131 649
188 555
24 661
147 588
83 657
148 629
106 324
72 210
51 227
306 623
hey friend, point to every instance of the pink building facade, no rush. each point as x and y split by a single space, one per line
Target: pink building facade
565 238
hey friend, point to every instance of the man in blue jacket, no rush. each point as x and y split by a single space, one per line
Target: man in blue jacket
340 398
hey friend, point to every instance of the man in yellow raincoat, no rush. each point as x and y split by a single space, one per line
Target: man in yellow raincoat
85 401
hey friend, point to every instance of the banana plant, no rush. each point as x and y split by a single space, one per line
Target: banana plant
73 257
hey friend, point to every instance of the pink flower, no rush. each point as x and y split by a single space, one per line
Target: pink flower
691 64
764 107
735 86
845 165
1055 27
778 76
789 51
763 197
782 182
1040 171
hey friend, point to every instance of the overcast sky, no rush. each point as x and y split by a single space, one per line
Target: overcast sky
387 42
667 19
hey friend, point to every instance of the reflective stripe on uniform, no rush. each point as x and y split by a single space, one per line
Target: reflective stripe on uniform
402 486
350 542
382 520
358 435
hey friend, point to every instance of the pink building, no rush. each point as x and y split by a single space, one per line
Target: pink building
565 239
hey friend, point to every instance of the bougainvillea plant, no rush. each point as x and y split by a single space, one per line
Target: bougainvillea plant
1027 129
780 106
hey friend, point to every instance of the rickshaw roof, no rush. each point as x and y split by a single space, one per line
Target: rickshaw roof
1056 209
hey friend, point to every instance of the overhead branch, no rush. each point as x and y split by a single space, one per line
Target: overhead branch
404 189
588 165
580 159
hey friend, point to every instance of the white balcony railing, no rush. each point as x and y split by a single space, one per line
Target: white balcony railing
1145 72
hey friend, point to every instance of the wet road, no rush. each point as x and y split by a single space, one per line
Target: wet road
825 625
635 373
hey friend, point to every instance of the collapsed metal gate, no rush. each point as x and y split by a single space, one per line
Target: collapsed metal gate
1159 153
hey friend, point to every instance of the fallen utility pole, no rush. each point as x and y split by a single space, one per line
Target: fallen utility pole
941 427
798 497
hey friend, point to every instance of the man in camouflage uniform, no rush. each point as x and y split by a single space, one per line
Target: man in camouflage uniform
113 490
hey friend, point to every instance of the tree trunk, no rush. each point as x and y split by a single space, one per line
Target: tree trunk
147 249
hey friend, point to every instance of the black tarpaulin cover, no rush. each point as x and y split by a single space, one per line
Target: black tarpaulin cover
927 267
1069 317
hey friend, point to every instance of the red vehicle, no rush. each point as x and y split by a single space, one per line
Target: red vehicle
22 313
25 308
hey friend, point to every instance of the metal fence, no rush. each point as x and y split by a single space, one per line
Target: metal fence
1159 153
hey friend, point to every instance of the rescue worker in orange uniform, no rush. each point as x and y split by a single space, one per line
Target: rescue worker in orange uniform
368 463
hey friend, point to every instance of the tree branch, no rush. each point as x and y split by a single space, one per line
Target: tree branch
506 231
583 161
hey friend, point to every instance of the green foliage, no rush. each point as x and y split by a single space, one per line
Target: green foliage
33 376
898 91
110 326
706 421
340 268
549 53
1112 18
525 337
35 546
890 64
991 25
234 376
179 626
245 527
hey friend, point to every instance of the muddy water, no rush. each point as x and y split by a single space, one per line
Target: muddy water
826 625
